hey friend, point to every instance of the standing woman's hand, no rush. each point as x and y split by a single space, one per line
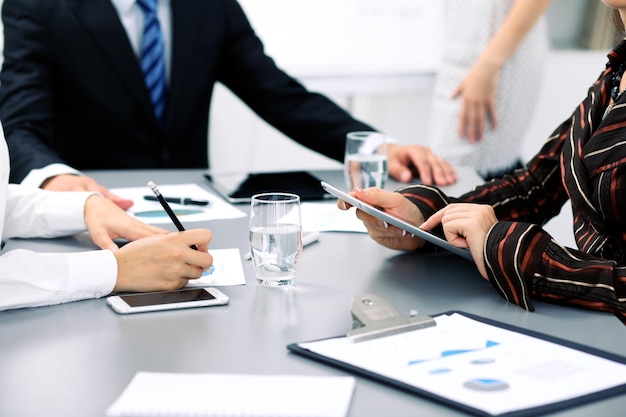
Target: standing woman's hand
478 94
478 89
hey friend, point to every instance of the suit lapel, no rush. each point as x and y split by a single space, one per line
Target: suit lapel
101 20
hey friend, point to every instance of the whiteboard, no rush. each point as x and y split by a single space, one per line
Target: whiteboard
349 37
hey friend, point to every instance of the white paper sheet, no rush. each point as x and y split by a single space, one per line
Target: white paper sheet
165 395
227 270
152 212
326 217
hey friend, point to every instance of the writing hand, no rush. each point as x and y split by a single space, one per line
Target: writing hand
163 261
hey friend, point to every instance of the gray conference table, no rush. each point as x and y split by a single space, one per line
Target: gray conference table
75 359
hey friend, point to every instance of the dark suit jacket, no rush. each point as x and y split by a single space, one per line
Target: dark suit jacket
71 89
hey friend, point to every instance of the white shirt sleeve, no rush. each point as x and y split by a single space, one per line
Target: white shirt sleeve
31 279
36 177
33 212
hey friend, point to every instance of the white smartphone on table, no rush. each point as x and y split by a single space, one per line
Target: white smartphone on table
167 300
379 214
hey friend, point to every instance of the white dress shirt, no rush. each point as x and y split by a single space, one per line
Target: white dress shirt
132 19
29 279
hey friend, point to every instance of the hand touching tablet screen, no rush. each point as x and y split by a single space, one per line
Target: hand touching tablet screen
379 214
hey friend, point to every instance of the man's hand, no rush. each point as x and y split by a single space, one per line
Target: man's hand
404 160
70 182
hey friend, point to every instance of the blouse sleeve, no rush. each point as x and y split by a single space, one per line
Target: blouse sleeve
535 194
523 261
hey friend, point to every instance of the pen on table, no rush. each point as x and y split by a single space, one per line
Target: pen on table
179 200
307 239
168 209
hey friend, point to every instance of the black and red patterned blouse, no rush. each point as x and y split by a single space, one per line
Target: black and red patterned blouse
583 161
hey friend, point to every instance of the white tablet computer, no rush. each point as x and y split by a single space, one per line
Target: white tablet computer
379 214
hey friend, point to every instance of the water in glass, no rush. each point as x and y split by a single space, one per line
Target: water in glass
275 251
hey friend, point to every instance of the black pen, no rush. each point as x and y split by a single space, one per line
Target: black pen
179 200
168 209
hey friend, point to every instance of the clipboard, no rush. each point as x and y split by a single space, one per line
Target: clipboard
615 362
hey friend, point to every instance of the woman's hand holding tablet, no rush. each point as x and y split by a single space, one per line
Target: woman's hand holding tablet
388 218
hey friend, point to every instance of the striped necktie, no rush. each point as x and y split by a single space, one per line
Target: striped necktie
152 57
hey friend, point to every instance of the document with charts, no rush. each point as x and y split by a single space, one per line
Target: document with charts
152 212
482 368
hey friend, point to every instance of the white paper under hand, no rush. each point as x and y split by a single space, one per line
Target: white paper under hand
227 270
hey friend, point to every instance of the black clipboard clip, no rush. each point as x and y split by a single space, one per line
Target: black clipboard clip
374 317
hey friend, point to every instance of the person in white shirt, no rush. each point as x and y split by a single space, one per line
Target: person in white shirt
154 260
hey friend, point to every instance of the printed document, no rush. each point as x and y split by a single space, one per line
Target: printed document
152 212
486 367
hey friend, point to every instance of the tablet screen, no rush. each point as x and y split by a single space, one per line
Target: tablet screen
240 187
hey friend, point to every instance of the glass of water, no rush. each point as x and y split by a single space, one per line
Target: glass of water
275 237
365 163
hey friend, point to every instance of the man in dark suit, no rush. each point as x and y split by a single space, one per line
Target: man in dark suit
73 96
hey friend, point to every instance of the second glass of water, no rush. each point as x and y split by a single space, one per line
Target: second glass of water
275 237
365 163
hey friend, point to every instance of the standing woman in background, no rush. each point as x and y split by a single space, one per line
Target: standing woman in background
488 83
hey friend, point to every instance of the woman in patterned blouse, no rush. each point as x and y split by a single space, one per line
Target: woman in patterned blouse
583 161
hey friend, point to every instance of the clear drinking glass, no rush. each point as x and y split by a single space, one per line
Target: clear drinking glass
275 237
365 163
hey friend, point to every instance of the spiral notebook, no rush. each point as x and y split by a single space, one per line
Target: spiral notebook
206 395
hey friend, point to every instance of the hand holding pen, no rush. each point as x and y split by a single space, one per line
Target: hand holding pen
168 209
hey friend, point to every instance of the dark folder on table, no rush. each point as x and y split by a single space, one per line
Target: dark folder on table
240 187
